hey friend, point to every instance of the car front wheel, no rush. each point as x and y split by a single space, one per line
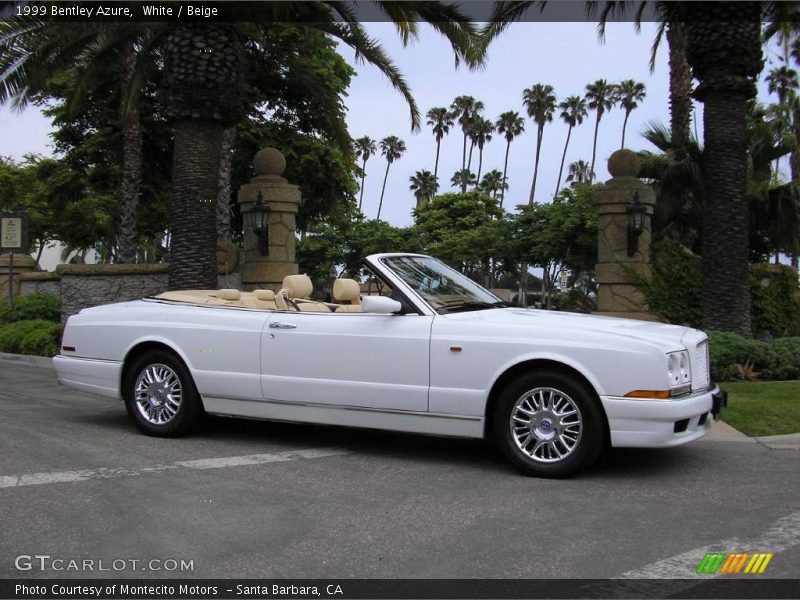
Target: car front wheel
160 396
549 425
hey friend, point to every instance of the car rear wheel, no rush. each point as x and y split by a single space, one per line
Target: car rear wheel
549 425
160 396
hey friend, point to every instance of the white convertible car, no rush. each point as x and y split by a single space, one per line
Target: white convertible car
432 353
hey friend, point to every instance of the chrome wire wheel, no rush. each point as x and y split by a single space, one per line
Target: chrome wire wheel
158 393
546 425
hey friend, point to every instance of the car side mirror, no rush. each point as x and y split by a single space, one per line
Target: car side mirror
380 305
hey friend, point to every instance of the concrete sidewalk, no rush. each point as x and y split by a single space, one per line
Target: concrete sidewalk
722 432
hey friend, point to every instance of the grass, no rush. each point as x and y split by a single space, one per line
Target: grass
763 407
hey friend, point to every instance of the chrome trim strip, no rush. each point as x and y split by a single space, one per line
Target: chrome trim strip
98 360
412 413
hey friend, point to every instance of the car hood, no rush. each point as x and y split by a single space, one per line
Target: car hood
673 336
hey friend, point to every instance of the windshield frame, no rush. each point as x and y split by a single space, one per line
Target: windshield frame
469 291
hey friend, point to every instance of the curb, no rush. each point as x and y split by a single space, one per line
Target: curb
24 359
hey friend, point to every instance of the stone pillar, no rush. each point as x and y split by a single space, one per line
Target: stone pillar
616 295
23 263
283 200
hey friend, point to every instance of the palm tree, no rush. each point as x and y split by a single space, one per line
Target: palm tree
725 54
783 82
464 108
600 97
629 94
680 73
482 132
198 64
573 111
541 103
424 186
364 148
392 147
511 125
493 183
463 178
32 51
440 120
580 172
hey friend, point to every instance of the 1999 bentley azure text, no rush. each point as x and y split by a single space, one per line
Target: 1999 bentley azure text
431 353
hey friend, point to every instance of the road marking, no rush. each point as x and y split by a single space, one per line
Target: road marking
26 479
782 534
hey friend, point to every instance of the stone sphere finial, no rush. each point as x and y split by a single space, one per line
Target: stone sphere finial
624 163
269 162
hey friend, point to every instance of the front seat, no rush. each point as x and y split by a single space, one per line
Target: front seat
347 292
295 292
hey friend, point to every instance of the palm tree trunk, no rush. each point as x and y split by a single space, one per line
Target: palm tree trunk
193 262
464 153
680 83
594 146
726 294
563 158
624 125
480 166
539 135
131 161
363 175
383 189
224 193
436 164
469 159
505 168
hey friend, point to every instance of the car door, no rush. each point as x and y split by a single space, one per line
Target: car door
347 359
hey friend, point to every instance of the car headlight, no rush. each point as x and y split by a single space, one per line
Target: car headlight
679 372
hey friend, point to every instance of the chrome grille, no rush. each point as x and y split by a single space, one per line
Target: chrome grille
700 367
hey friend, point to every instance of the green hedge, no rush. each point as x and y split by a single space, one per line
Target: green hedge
32 307
37 337
776 360
674 292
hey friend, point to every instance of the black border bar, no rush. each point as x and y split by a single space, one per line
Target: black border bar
345 589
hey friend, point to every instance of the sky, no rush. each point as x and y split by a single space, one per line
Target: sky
564 55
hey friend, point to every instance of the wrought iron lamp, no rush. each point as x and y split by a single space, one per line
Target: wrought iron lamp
260 217
636 213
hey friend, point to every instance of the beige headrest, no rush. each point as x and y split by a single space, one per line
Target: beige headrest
298 286
346 290
227 294
264 294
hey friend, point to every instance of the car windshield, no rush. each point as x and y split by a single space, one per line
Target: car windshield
445 289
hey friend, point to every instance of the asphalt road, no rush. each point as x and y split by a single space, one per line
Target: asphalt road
259 499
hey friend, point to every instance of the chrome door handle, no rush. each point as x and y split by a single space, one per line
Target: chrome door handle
277 325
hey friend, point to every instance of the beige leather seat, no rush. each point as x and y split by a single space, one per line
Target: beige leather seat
294 295
264 299
347 292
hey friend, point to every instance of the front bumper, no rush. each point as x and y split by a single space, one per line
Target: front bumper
652 423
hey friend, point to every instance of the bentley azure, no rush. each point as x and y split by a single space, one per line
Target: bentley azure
424 349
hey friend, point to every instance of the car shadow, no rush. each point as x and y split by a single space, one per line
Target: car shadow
374 442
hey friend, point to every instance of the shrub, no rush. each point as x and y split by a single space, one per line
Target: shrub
785 363
674 291
775 306
37 337
32 307
729 349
